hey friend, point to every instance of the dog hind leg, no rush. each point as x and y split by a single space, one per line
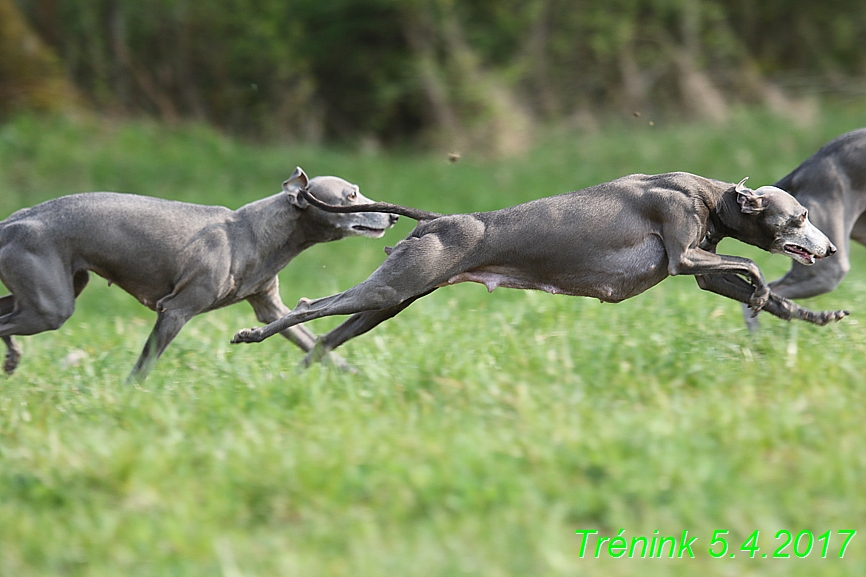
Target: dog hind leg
29 322
269 307
37 313
416 266
13 355
55 303
79 281
43 291
356 325
7 305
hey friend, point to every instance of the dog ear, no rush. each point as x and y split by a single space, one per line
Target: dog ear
293 186
750 203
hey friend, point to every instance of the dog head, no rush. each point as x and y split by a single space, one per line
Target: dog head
336 191
776 222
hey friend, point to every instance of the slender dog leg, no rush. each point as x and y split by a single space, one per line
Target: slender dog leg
26 322
807 281
415 267
13 353
168 325
734 287
356 325
367 296
43 293
269 307
7 305
55 304
706 262
26 319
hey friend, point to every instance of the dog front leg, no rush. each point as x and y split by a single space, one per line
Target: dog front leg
168 325
698 261
807 281
734 287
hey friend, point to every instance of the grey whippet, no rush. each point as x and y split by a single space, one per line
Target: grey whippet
176 258
831 184
611 241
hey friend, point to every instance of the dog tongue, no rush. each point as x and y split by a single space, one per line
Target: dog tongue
803 253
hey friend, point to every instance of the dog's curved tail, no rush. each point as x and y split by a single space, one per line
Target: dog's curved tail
387 207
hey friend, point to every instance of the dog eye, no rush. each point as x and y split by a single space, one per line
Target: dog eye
804 216
352 195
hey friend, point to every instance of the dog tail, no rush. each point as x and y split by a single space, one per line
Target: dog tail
387 207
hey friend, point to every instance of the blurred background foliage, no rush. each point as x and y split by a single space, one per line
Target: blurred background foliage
457 73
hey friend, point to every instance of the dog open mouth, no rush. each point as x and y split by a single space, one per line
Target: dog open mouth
368 231
799 253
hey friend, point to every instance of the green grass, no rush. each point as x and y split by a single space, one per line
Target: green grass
481 431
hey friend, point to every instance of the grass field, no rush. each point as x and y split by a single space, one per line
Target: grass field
481 431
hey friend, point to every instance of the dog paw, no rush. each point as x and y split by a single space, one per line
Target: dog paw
759 299
834 316
253 335
825 317
303 304
11 363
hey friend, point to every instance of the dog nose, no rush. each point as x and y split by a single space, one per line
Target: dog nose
395 217
831 249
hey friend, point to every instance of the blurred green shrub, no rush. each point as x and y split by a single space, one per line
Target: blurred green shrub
457 73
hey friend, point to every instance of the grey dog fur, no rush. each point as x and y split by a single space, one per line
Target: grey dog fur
831 184
176 258
611 241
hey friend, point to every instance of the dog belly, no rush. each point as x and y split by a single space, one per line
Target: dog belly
148 291
610 276
603 285
494 280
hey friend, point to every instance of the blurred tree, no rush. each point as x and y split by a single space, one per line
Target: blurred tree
230 62
470 103
459 73
31 76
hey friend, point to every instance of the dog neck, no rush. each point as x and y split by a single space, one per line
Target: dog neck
273 222
733 222
726 219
